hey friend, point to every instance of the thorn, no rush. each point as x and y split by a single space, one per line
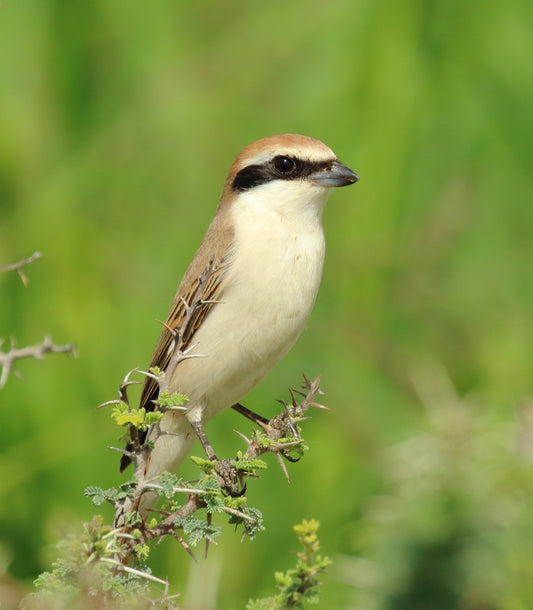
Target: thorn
160 512
173 331
185 352
115 401
161 538
23 277
128 375
133 382
245 439
184 545
123 389
209 520
148 374
283 467
125 535
123 451
294 402
307 383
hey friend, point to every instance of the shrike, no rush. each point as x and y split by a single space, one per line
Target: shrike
267 242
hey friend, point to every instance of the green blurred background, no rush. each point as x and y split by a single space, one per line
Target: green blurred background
118 123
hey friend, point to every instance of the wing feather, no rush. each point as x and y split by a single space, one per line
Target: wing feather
203 280
174 324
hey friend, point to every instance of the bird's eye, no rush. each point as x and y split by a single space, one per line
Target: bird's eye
284 165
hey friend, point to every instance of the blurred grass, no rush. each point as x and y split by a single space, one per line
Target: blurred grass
119 122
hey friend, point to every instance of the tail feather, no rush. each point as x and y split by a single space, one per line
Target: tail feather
173 438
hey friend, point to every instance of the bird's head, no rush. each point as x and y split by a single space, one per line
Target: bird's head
286 172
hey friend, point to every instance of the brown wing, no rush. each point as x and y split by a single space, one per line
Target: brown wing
200 286
187 313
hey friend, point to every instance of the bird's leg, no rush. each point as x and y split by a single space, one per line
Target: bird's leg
200 433
223 468
257 419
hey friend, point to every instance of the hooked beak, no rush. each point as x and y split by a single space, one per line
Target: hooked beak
336 174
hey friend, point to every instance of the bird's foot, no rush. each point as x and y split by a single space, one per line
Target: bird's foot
232 481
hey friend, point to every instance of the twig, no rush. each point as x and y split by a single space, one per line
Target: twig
22 263
8 359
133 571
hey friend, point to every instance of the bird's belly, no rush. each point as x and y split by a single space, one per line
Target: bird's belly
267 298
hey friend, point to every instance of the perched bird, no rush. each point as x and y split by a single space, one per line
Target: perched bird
266 244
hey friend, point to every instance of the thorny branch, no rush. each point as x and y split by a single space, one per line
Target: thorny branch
20 264
8 359
277 436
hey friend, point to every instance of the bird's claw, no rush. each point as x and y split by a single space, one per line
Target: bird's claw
231 480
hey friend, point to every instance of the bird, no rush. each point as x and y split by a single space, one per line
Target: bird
263 255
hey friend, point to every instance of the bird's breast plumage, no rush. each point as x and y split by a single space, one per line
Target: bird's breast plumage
267 296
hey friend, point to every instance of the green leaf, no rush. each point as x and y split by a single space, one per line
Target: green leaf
206 465
175 400
168 483
198 530
245 465
96 494
138 418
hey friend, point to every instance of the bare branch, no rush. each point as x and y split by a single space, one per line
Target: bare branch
22 263
8 359
139 573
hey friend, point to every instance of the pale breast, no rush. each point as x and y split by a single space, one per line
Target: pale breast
268 295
